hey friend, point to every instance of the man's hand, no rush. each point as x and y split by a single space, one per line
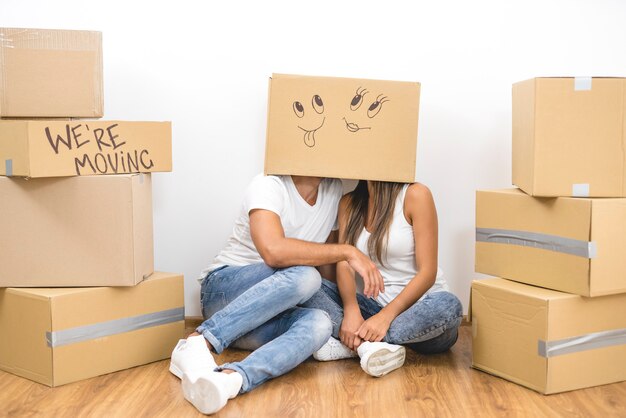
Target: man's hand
352 320
372 279
375 328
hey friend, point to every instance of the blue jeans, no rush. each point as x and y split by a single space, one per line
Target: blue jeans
429 326
254 308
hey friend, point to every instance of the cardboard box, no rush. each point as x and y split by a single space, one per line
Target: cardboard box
546 340
55 148
574 245
50 73
342 127
78 231
569 137
58 336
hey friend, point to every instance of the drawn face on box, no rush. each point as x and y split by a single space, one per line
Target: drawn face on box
342 127
363 110
311 118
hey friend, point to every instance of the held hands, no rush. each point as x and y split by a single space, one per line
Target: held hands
372 279
349 326
375 328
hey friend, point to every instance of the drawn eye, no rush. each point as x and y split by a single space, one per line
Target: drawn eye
376 106
318 104
298 109
357 100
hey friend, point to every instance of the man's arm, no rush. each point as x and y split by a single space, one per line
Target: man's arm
329 271
278 251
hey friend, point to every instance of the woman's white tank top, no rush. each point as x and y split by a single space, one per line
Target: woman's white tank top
400 266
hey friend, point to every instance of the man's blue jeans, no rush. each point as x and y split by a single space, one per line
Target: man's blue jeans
254 308
429 326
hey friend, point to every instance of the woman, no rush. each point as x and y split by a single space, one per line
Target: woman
396 225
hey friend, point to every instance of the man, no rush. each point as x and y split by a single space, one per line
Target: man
251 291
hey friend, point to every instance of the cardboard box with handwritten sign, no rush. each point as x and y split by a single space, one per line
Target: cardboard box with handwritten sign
569 136
76 231
50 73
83 147
342 127
58 336
574 245
547 340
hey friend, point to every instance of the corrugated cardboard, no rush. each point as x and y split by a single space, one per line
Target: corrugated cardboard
598 225
546 340
58 336
77 231
50 73
342 127
569 137
83 147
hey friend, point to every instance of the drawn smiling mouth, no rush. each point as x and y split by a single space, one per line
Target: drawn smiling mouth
353 127
309 135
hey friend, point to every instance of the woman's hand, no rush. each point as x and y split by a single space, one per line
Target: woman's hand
375 328
352 320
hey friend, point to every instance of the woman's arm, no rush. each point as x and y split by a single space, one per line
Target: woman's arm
352 318
420 212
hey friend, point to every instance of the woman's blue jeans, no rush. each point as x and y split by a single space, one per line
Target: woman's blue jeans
429 326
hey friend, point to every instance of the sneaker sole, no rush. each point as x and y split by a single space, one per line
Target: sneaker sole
204 394
384 361
334 356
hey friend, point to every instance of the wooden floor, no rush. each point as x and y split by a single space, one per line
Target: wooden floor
438 386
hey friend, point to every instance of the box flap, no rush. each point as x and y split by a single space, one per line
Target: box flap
142 226
508 325
14 150
608 235
24 319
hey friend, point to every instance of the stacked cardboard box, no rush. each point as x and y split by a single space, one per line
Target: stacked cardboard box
563 234
76 210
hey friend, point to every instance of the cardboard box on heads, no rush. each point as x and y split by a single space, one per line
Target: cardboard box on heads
342 128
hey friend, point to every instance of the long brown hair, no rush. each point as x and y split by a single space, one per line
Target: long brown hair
384 201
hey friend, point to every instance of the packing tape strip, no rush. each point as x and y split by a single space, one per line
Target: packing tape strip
548 242
582 83
582 343
8 167
116 326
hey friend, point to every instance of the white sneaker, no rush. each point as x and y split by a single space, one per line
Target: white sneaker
191 355
333 350
209 392
380 358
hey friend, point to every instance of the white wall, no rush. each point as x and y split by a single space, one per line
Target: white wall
204 65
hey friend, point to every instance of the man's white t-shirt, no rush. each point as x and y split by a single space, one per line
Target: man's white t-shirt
299 219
